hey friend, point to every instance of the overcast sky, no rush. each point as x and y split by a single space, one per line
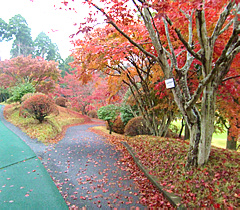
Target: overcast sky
41 15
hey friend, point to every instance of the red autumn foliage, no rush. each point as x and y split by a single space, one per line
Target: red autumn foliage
29 95
38 107
41 73
215 185
84 95
179 36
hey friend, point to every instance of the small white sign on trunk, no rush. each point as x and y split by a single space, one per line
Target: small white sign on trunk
169 83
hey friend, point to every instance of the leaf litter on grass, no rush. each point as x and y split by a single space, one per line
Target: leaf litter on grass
149 194
216 184
212 185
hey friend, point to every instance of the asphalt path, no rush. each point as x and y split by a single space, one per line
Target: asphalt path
86 169
88 173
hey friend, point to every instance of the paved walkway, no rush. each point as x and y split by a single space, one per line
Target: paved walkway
85 169
88 172
24 182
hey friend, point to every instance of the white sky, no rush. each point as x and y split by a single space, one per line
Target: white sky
41 15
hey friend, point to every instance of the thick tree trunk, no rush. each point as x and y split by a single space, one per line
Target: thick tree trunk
201 128
194 126
207 123
231 137
186 133
231 141
164 130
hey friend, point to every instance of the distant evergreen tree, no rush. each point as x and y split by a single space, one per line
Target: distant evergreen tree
18 30
3 30
46 49
65 67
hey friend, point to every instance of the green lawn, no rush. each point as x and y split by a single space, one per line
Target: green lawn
219 139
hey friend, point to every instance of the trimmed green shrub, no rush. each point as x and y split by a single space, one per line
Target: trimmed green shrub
136 126
61 101
38 107
126 114
93 113
109 113
19 91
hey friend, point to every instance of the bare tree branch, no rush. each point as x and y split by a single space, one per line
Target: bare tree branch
190 58
185 43
228 46
174 59
226 27
202 30
224 66
200 88
223 16
232 77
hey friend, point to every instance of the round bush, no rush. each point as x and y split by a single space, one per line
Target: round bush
92 114
61 101
108 113
126 114
29 95
26 96
136 126
118 126
38 107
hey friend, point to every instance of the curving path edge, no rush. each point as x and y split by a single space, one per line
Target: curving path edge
85 169
24 182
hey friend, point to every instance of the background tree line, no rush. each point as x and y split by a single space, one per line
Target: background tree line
22 65
17 30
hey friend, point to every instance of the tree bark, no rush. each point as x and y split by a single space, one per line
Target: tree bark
110 124
194 126
231 140
186 133
207 123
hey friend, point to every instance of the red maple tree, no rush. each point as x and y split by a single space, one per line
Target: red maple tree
182 35
41 73
84 96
